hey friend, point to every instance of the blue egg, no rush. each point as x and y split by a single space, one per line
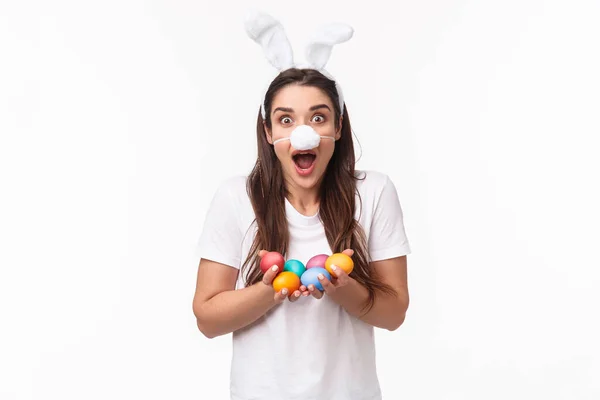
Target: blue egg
310 276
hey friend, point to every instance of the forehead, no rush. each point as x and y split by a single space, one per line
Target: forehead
300 98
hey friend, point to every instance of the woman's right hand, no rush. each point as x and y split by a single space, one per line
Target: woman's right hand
268 277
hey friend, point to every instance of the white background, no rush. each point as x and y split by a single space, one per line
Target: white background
118 120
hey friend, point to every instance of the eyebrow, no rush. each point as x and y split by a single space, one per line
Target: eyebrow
291 110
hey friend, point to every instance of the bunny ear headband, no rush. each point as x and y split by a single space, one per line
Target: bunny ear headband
270 35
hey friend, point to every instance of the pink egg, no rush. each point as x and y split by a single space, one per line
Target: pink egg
317 261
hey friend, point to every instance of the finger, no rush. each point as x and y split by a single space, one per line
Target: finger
348 252
326 283
281 296
270 275
262 253
295 296
341 277
304 291
316 293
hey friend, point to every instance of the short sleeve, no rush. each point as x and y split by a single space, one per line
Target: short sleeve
221 236
387 236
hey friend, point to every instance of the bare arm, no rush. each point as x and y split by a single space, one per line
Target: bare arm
221 309
388 311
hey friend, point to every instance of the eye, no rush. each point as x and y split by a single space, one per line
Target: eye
319 116
282 119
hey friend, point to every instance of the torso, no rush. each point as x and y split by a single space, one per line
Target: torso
310 349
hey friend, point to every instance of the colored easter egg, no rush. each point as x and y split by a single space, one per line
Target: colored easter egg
294 266
287 280
270 259
311 277
317 261
340 260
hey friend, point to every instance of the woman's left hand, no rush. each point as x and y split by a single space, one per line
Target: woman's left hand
338 279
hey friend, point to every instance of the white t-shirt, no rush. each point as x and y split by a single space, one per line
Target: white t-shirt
310 349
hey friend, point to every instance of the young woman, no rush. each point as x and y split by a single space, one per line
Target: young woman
309 344
303 198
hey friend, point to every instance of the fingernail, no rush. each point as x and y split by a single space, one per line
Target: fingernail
284 291
274 268
333 267
298 294
321 276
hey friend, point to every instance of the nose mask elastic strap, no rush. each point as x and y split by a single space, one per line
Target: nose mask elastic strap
304 138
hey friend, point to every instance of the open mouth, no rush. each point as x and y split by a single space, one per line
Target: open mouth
304 161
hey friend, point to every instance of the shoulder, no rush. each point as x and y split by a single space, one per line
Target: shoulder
376 193
230 194
371 183
233 187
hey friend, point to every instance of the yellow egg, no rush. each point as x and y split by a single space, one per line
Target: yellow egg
341 261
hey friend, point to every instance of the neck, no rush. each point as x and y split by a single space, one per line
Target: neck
305 201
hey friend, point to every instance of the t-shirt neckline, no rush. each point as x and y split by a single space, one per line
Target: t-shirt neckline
298 218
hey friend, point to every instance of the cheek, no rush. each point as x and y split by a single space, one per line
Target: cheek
328 128
326 150
280 134
282 150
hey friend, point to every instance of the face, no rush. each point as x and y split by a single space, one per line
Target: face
296 105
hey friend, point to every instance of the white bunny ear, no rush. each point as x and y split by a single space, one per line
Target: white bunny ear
270 35
319 47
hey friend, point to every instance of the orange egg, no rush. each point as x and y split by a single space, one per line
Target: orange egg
288 280
340 260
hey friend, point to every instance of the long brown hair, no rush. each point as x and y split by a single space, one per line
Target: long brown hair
337 193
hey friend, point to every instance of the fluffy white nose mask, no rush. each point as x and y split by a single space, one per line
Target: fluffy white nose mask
304 137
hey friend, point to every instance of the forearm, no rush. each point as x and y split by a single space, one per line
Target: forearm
234 309
388 311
